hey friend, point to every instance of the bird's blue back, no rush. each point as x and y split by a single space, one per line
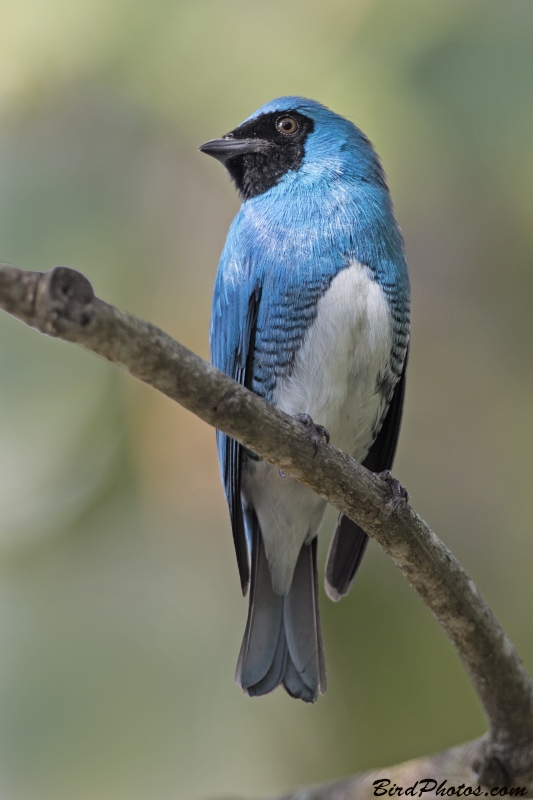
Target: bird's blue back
291 241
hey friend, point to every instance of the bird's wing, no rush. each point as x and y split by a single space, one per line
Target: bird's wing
381 454
233 324
349 540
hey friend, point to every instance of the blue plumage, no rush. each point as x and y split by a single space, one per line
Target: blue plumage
310 311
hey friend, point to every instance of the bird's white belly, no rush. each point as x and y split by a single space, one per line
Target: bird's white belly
337 368
335 379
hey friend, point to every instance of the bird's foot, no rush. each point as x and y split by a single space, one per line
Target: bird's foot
400 496
316 432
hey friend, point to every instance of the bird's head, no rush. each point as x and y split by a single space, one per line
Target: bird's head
293 138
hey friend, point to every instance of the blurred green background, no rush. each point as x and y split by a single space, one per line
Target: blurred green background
120 610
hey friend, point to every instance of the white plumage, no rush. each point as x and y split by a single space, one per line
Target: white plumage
335 379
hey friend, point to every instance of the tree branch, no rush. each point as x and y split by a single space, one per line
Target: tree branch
453 767
62 304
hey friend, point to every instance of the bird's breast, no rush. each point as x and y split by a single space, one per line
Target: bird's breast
343 363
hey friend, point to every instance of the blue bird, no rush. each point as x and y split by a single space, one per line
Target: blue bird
311 311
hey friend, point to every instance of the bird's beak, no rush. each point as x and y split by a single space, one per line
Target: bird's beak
228 147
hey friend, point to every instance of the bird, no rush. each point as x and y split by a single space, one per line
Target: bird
311 311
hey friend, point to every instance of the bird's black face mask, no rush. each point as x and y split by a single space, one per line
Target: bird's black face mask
259 152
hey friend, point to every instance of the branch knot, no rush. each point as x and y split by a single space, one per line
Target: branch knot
63 295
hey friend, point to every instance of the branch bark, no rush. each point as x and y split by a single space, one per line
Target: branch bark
427 774
61 303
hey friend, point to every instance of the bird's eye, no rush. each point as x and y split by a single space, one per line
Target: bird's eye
287 125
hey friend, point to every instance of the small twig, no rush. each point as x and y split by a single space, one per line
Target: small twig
61 303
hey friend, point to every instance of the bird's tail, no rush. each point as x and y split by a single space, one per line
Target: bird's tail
282 642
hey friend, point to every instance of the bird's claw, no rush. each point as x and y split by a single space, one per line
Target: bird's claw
316 432
400 496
